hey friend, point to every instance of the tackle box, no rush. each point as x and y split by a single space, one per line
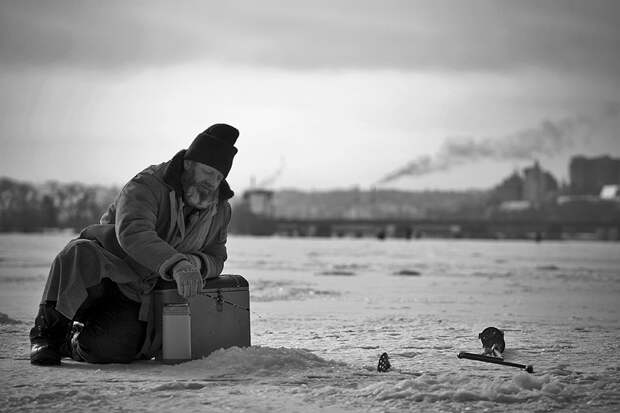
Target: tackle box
219 317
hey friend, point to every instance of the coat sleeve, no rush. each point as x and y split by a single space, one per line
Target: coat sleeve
109 216
136 218
214 254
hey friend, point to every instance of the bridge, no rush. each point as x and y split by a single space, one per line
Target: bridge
543 228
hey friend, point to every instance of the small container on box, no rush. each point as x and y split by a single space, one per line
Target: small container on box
176 332
219 317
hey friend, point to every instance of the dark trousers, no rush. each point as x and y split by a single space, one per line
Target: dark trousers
112 332
77 288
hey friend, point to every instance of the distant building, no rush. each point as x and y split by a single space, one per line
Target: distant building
510 189
589 175
359 212
539 186
260 201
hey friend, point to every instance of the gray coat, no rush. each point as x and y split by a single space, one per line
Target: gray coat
144 233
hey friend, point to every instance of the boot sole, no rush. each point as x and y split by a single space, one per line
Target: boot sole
45 357
44 362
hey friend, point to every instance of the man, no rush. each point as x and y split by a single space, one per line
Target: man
170 222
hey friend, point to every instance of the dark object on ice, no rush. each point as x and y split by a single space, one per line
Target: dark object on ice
407 272
338 272
49 336
489 359
538 237
492 341
384 363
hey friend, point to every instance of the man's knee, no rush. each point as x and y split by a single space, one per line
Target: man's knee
114 335
94 348
78 247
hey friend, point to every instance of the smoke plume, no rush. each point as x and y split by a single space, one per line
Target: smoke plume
270 180
546 139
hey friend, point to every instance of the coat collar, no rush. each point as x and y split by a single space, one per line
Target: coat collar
172 176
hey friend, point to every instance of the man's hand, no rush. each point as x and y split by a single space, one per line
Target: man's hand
195 259
188 278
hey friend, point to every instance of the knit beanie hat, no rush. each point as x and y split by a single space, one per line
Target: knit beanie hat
214 147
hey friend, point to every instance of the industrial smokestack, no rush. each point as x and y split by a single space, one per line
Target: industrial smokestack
548 138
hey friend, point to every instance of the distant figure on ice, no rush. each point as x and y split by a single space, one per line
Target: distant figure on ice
170 221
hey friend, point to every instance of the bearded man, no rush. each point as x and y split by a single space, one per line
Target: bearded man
168 222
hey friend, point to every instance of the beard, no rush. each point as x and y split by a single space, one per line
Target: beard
199 199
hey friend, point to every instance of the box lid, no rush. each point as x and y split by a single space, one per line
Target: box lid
223 281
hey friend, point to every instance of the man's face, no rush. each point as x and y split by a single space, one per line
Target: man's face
200 183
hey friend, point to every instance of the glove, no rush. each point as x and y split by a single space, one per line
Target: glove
194 259
188 278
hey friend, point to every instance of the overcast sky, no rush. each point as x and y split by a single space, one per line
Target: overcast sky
330 93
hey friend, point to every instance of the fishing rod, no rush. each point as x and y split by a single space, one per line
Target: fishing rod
493 344
495 360
385 365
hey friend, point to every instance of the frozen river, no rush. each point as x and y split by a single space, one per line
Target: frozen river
323 310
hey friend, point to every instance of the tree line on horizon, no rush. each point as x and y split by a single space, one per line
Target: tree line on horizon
27 207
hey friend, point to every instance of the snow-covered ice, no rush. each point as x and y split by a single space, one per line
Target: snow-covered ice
323 310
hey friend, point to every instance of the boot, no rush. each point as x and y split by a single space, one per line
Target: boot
49 336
